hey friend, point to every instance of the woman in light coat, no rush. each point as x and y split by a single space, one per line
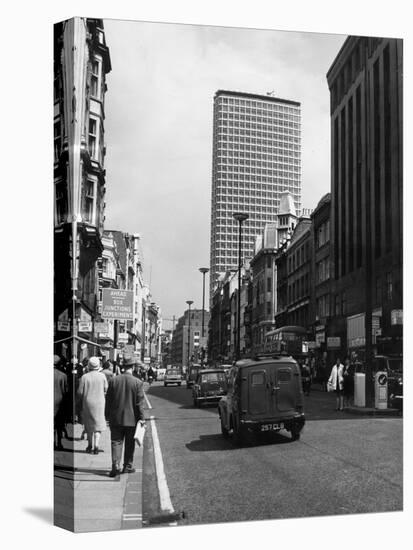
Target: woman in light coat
336 383
91 397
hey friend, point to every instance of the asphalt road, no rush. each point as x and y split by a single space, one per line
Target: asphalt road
343 464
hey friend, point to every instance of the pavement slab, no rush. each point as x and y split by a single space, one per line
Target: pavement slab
86 498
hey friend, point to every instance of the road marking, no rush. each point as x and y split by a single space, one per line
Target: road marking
165 499
147 400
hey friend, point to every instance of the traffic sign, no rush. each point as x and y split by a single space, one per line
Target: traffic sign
117 304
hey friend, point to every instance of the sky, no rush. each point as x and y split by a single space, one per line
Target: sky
158 132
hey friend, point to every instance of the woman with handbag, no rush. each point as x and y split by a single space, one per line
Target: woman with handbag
336 383
91 397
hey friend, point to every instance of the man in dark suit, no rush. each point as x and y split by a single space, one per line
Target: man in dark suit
60 397
124 408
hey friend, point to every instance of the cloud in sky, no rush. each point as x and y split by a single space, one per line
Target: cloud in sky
158 127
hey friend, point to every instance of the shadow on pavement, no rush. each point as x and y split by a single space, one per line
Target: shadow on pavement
44 514
218 443
74 470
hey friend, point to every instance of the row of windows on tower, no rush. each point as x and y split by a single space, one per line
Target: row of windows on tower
276 147
269 139
254 104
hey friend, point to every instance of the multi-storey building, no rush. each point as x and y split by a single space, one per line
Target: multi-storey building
121 266
188 333
320 303
256 156
294 273
365 82
81 63
264 270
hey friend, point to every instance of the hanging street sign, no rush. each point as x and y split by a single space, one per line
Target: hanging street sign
85 326
64 326
117 304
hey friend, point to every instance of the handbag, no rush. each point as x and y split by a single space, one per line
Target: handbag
330 386
139 433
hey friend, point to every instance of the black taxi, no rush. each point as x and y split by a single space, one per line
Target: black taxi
264 395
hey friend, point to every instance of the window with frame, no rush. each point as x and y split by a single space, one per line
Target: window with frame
61 202
389 285
378 290
89 199
95 87
57 129
92 137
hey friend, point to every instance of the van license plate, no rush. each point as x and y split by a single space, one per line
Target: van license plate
270 427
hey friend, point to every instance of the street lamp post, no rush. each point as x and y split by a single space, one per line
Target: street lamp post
203 270
240 217
189 302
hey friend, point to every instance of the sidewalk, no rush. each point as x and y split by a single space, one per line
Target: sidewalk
323 403
86 498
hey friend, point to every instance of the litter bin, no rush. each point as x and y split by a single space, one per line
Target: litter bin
380 390
359 389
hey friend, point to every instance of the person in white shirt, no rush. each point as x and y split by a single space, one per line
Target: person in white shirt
336 383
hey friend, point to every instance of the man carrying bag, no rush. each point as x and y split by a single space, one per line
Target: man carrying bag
124 410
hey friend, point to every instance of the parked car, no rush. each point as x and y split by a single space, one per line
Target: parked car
160 373
210 386
264 395
173 375
192 374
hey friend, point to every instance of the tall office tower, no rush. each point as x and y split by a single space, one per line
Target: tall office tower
256 157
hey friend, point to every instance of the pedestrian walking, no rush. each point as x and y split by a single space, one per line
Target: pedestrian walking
108 370
336 383
124 409
306 377
91 398
348 383
60 401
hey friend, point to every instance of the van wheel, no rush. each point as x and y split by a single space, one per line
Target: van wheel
237 432
224 430
295 435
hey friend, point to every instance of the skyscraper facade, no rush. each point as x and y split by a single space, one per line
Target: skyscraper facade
256 157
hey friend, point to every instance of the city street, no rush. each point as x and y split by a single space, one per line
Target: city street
343 464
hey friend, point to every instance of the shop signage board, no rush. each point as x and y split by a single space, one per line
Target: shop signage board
102 329
333 342
123 337
397 317
320 338
117 304
311 344
64 326
356 342
85 326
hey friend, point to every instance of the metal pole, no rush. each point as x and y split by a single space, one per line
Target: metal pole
203 320
238 349
189 302
203 270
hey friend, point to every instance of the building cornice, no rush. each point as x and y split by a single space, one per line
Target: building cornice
256 96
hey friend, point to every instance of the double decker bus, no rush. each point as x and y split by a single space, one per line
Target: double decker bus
290 340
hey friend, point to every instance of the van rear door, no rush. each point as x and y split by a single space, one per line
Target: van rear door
258 386
287 387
